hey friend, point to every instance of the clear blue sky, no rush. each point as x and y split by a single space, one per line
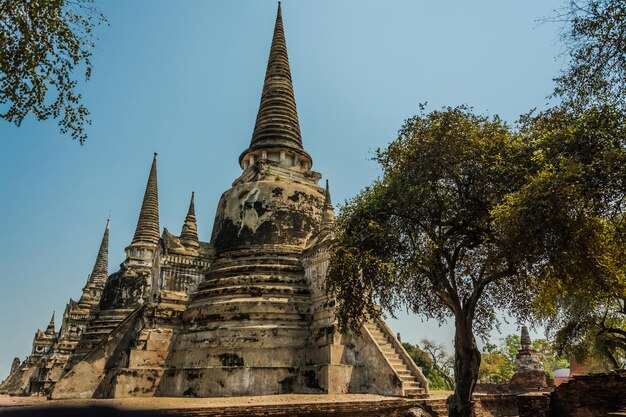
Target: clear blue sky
184 79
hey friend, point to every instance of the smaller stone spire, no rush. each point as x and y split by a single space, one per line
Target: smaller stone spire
101 266
15 365
189 233
50 328
328 212
525 339
147 230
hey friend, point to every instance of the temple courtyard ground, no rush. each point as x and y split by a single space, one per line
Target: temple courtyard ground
268 405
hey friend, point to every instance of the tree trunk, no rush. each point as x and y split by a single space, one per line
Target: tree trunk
466 365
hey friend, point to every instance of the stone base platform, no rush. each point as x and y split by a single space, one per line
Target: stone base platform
345 405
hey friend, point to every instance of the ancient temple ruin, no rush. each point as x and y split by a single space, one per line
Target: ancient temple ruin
530 374
244 314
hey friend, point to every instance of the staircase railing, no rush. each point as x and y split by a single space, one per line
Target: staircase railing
416 370
385 358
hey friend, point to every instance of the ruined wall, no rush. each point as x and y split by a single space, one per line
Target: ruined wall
495 405
84 380
592 395
269 210
247 326
127 288
534 404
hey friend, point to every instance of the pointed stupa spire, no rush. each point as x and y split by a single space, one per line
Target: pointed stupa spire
328 212
147 230
277 126
50 328
189 234
101 267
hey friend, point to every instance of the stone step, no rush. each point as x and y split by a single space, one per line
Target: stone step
396 363
392 356
253 267
200 297
414 393
255 280
260 289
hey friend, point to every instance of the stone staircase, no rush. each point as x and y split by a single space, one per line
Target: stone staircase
102 326
436 407
399 360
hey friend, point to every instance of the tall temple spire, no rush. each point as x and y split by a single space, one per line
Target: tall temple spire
147 230
189 234
101 266
328 212
50 328
277 126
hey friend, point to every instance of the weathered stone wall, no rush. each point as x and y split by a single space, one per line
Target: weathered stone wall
247 326
583 396
85 379
590 395
495 405
534 404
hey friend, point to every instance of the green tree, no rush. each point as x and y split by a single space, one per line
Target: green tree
438 375
423 236
495 368
42 44
570 219
510 346
442 362
498 362
550 357
594 34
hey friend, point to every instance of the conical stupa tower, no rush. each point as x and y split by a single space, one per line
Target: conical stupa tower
276 134
99 274
189 233
50 330
328 215
247 324
147 232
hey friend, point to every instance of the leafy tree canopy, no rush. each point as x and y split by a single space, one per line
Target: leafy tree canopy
42 44
423 237
570 218
594 34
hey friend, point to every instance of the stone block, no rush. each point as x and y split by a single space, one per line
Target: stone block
146 359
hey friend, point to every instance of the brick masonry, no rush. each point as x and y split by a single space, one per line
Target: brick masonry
583 396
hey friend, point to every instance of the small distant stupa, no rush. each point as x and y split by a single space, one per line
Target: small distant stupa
529 370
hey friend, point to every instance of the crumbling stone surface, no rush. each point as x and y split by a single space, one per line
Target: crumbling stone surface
531 381
495 405
590 395
534 404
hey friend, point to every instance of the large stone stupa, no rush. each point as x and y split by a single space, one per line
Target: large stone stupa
244 314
